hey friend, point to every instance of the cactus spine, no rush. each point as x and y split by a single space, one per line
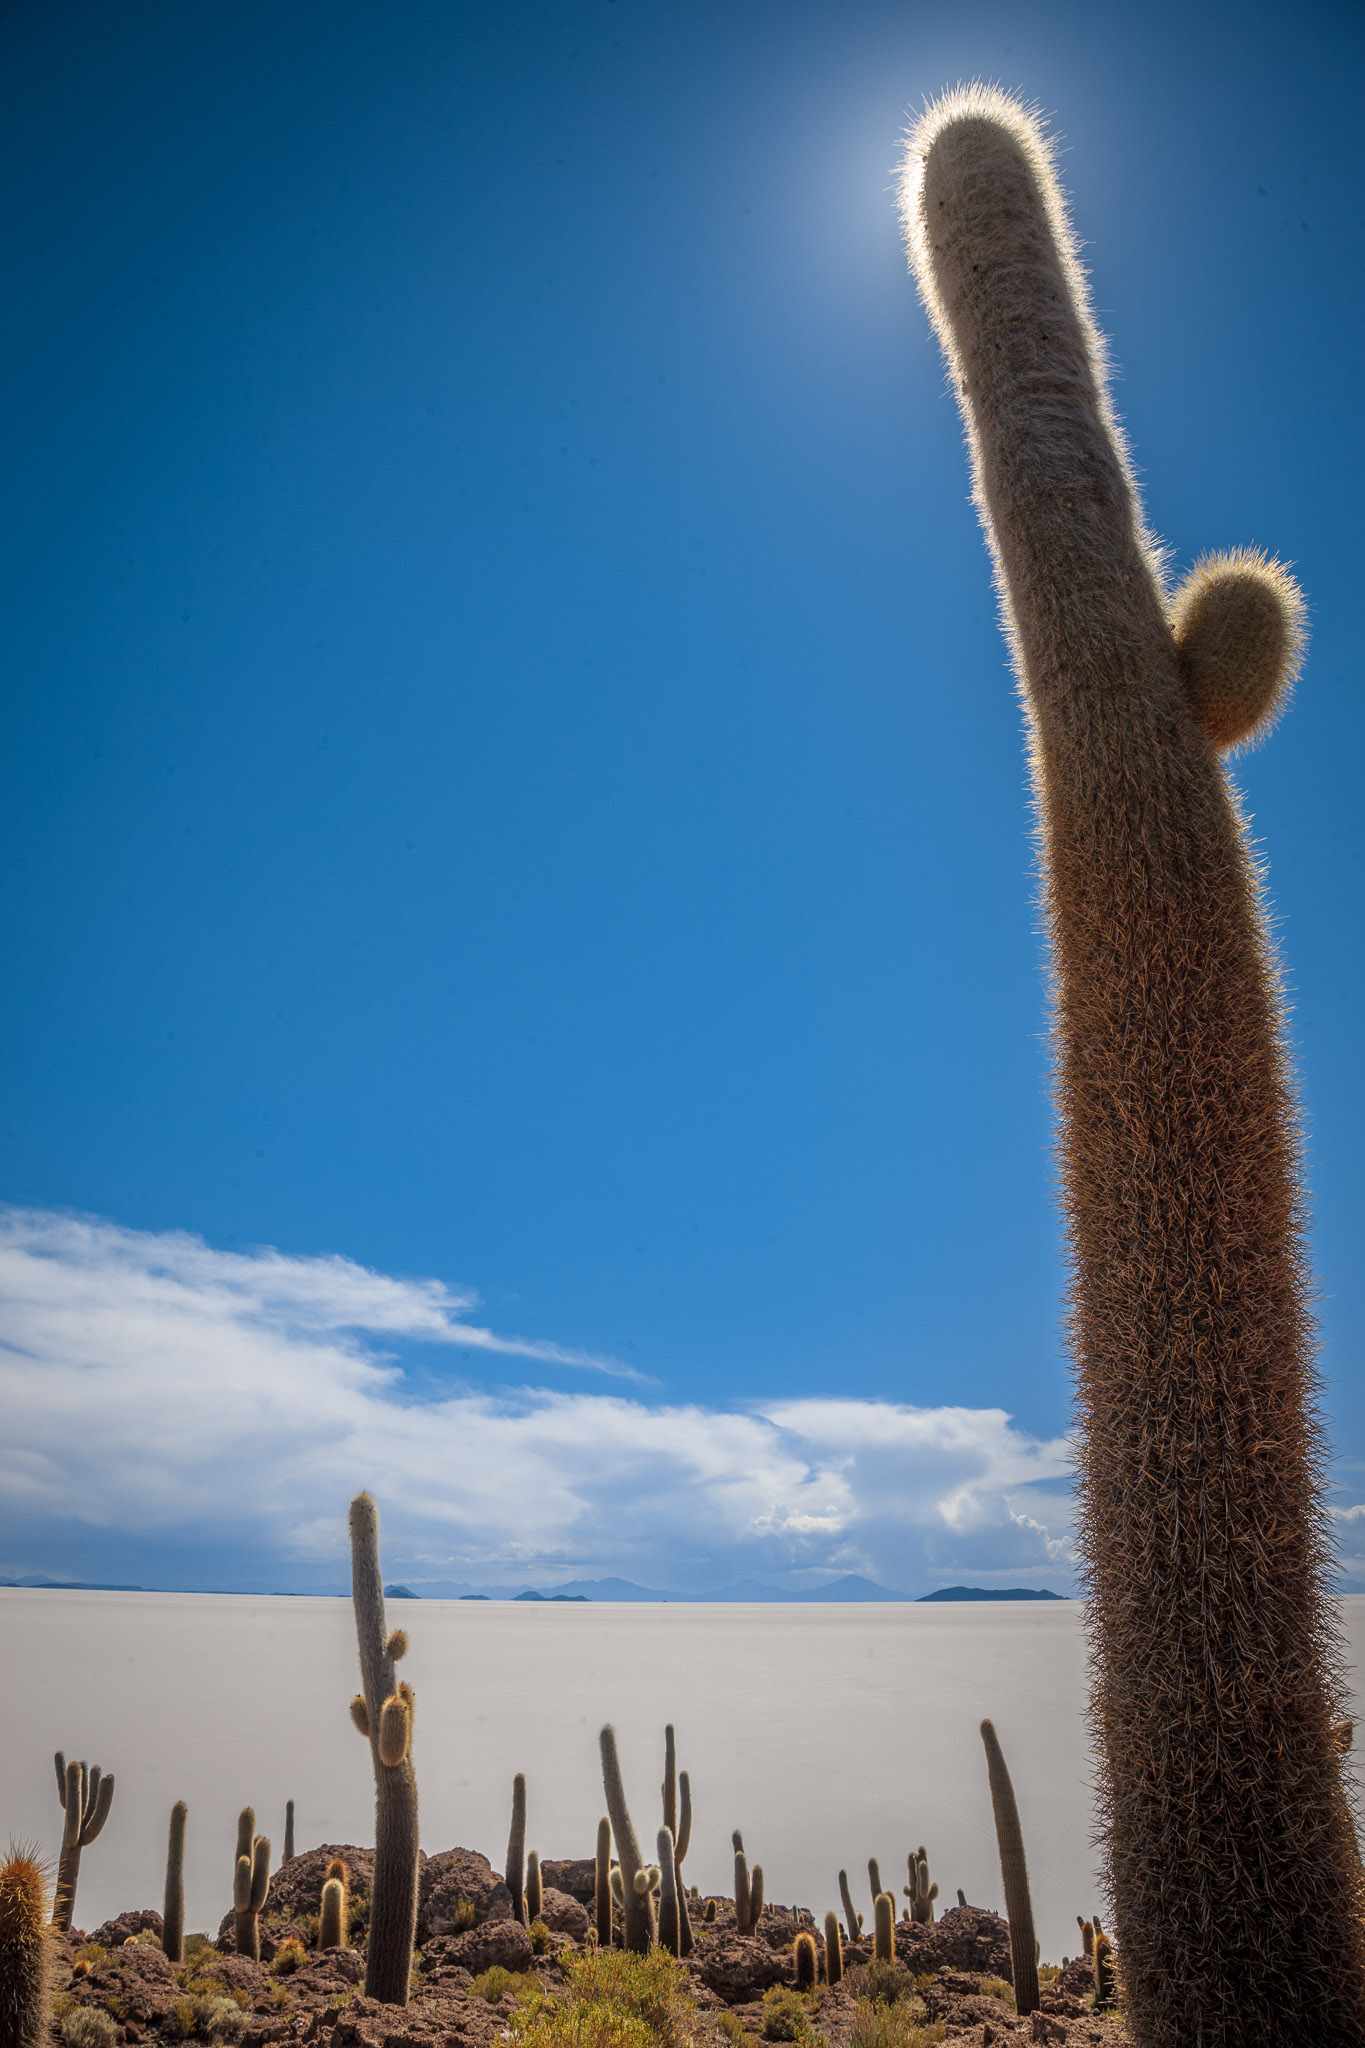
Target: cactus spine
806 1962
853 1921
1014 1871
25 1950
834 1950
86 1796
334 1920
516 1850
535 1891
742 1897
602 1884
386 1718
250 1884
670 1920
1228 1835
173 1900
637 1912
288 1830
884 1928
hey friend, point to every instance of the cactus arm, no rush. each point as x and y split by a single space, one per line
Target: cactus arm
670 1784
755 1895
670 1924
1014 1872
874 1878
853 1920
246 1835
393 1897
742 1892
98 1814
516 1850
1228 1837
636 1912
60 1761
602 1884
173 1902
260 1873
74 1805
684 1832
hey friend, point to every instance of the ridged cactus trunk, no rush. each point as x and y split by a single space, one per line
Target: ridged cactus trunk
637 1910
1237 1888
383 1712
515 1873
1009 1837
288 1830
86 1795
25 1952
669 1929
601 1897
682 1845
173 1901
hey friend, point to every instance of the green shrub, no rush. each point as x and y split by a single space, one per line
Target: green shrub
886 1983
786 2014
289 1956
540 1938
492 1984
731 2025
85 2026
92 1953
612 1999
466 1912
877 2024
197 1950
997 1987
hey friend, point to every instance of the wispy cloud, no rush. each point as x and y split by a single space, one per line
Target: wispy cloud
154 1386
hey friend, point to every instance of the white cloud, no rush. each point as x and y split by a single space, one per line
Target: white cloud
153 1386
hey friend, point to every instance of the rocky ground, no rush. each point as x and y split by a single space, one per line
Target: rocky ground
953 1977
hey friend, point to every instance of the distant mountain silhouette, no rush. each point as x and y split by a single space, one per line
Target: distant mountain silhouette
990 1593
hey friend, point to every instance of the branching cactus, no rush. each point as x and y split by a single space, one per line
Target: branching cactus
670 1934
884 1928
1014 1873
853 1920
601 1897
834 1950
86 1796
25 1952
334 1920
515 1873
1237 1888
919 1891
637 1911
383 1712
250 1885
173 1899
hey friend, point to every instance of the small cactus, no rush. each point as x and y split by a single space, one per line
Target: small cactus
251 1883
755 1895
288 1831
535 1892
173 1899
884 1928
25 1952
86 1796
334 1921
602 1876
709 1913
806 1965
834 1950
919 1891
1104 1971
1087 1937
853 1921
516 1850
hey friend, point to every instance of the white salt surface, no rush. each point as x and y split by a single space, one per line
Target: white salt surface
827 1734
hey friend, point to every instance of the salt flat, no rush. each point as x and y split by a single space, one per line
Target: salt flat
828 1734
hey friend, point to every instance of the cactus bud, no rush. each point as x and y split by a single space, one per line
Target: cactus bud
360 1713
397 1645
395 1729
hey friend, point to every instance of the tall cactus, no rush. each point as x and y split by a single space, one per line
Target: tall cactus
173 1899
637 1910
250 1885
1237 1889
682 1844
601 1896
1009 1837
853 1920
25 1952
383 1712
86 1796
834 1950
670 1935
884 1928
515 1873
288 1831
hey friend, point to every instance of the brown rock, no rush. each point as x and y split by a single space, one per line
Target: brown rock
576 1876
454 1875
477 1950
138 1980
115 1932
738 1968
296 1887
563 1914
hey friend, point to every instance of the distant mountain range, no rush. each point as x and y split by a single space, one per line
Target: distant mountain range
851 1588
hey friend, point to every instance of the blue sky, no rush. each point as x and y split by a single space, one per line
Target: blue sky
511 776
